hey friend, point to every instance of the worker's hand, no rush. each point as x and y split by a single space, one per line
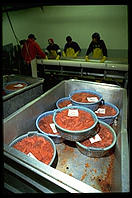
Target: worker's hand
103 59
46 57
57 57
86 58
63 54
76 54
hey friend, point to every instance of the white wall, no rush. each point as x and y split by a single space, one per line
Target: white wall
78 21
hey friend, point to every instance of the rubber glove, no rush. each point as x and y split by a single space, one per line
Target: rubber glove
103 59
75 55
46 57
86 58
57 57
63 54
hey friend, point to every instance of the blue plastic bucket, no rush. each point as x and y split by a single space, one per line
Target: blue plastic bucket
56 138
76 135
35 133
98 152
61 100
92 106
8 91
109 119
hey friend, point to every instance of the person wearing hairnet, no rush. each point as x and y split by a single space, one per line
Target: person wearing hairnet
97 47
71 48
53 50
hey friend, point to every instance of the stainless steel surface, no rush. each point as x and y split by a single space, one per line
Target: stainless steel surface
108 60
110 64
117 69
17 99
109 173
50 179
117 66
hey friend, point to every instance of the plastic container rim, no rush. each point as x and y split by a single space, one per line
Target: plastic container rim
44 115
100 149
13 82
76 107
111 105
35 133
59 100
87 91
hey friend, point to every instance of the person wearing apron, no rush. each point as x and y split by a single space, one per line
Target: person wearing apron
97 47
71 48
53 50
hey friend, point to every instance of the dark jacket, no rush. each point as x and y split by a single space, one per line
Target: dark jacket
73 45
54 47
100 44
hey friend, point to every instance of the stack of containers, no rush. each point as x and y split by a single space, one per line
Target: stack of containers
96 140
75 123
45 125
105 111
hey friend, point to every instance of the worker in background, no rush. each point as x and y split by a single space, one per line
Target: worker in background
22 42
23 67
97 47
71 48
53 50
30 51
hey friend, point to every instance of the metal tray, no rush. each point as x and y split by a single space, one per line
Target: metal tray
17 99
74 172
